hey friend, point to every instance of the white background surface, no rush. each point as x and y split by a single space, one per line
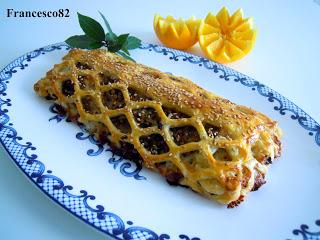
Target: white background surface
286 58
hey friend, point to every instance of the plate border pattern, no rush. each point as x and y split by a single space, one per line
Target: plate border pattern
81 204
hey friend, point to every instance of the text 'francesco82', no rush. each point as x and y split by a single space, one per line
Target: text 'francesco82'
40 14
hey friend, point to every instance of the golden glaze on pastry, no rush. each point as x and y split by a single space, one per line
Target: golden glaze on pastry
191 136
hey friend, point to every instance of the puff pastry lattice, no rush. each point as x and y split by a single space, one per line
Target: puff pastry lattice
191 136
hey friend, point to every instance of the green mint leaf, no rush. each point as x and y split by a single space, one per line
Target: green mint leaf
91 27
115 44
80 41
111 37
95 37
122 39
123 54
113 48
106 22
133 42
125 50
95 45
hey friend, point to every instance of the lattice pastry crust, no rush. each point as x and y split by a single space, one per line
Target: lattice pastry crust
191 136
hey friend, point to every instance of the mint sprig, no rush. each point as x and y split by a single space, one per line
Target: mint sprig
95 37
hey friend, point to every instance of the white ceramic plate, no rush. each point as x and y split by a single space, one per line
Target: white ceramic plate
126 202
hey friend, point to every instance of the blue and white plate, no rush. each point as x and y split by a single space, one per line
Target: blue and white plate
126 202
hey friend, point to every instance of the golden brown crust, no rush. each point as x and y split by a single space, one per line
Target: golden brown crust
217 150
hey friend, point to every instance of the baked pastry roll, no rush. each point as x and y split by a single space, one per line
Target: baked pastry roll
189 135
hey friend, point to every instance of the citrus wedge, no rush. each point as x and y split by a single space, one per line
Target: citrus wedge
224 38
176 33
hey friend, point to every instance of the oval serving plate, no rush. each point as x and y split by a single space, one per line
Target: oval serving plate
126 202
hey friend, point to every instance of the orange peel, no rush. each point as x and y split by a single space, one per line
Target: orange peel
224 38
176 33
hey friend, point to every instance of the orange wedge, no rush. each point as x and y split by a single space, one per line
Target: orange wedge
176 33
225 38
